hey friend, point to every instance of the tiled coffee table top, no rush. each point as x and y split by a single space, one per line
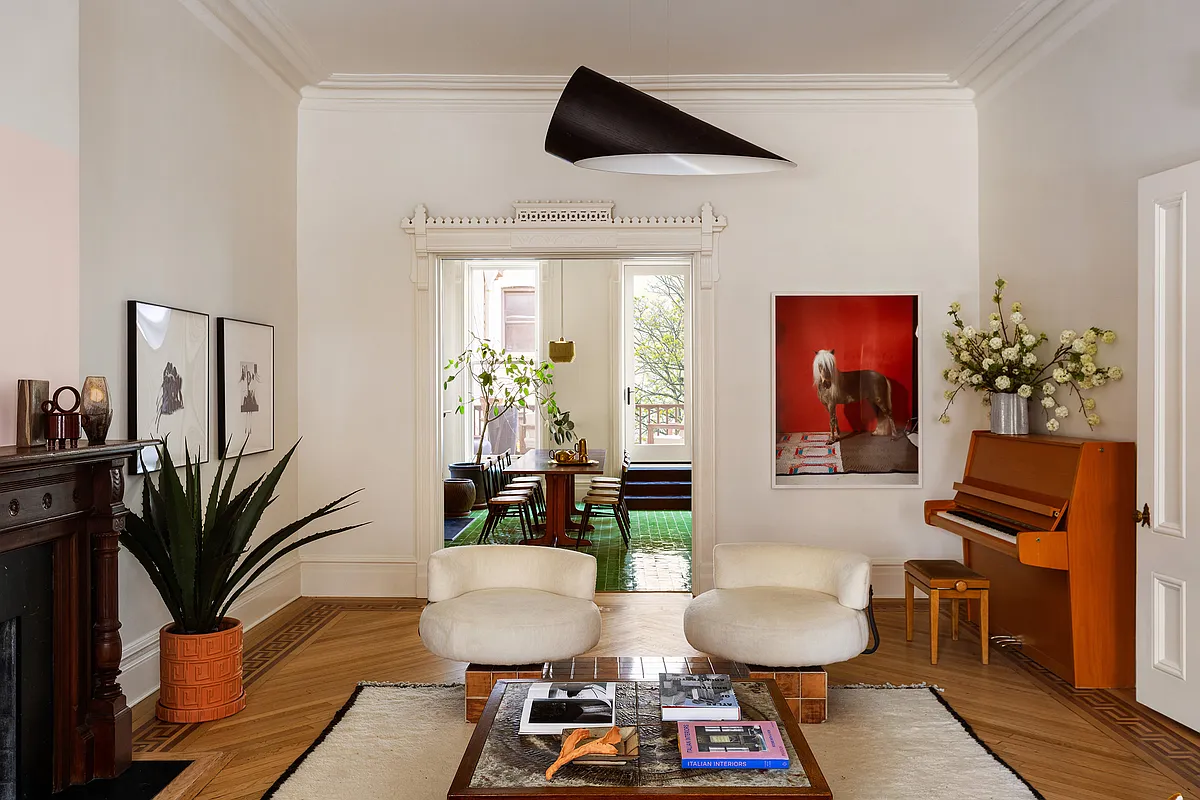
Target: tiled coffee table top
512 762
639 668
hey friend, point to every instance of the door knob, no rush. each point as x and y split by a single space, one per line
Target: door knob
1142 516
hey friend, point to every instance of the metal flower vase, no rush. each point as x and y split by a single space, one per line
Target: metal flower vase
1010 414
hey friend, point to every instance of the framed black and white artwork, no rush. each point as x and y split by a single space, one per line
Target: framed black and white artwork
245 386
168 382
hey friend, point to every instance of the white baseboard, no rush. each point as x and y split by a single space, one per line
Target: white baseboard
271 592
887 577
358 576
139 668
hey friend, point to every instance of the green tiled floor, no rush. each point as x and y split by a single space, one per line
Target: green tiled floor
659 558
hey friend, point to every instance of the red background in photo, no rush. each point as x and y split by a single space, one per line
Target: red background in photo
865 332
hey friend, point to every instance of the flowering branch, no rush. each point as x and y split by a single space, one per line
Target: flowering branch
994 362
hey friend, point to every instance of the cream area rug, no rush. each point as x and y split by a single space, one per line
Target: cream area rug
881 743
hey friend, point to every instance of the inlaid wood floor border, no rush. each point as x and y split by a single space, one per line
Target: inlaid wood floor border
259 658
1132 723
1157 740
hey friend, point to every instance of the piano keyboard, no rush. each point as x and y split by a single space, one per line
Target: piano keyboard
1008 537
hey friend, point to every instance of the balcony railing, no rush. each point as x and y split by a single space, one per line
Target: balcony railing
656 421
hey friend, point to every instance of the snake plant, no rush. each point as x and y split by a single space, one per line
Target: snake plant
192 551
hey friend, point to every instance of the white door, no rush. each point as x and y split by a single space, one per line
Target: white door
656 312
1168 569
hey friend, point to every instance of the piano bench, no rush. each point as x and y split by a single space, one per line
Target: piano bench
938 578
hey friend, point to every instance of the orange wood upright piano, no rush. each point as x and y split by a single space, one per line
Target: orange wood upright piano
1048 520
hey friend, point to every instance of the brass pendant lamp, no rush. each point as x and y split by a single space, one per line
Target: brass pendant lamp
562 351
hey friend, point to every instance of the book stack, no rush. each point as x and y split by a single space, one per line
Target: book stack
552 707
697 697
712 734
744 744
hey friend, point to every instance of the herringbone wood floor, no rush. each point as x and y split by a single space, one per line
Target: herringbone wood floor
303 664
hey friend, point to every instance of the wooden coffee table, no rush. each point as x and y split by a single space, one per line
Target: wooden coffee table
499 763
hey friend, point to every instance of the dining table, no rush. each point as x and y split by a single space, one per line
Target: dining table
560 492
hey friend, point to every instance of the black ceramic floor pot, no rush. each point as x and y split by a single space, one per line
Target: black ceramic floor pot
459 497
473 472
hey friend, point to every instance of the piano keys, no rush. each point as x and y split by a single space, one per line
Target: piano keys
1047 519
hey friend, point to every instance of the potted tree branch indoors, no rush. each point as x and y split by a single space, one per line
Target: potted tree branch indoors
503 382
192 550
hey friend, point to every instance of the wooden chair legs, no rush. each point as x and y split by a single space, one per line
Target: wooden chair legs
957 583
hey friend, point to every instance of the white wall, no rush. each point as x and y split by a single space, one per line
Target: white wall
39 198
885 198
586 386
1061 151
188 197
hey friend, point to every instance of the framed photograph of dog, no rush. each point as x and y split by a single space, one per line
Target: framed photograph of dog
845 377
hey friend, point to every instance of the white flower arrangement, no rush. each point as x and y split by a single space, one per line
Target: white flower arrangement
1000 359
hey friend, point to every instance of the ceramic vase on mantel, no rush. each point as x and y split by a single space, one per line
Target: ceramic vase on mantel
1010 413
97 412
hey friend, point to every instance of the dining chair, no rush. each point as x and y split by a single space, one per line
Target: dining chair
615 503
499 508
611 498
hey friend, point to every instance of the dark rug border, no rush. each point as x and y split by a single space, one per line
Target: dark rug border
287 773
971 732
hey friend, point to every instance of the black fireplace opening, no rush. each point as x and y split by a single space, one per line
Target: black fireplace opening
8 709
26 673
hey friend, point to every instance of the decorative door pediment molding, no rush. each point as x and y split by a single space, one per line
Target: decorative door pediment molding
564 227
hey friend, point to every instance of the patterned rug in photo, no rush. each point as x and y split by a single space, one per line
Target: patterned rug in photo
807 454
405 740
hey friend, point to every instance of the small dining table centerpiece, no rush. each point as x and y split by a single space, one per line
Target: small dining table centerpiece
1001 361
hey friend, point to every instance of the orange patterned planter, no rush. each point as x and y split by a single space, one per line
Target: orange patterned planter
200 675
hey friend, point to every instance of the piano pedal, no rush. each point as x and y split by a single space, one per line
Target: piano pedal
1007 641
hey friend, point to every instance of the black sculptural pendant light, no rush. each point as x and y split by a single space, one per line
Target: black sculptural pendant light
603 124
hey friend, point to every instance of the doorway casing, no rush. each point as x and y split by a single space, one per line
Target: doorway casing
559 230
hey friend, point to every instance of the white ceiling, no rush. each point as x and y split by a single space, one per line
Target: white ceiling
642 37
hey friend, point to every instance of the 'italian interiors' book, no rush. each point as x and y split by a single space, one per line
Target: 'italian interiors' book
732 745
697 697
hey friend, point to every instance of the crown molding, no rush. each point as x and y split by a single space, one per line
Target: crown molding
693 92
278 51
1032 32
243 35
287 40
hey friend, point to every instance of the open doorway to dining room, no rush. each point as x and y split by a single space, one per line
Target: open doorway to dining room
626 392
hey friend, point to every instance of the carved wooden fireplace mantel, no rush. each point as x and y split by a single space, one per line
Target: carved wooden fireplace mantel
71 502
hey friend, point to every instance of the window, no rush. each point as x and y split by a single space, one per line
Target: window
519 308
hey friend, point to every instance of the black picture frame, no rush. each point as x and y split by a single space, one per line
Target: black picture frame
230 434
146 460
